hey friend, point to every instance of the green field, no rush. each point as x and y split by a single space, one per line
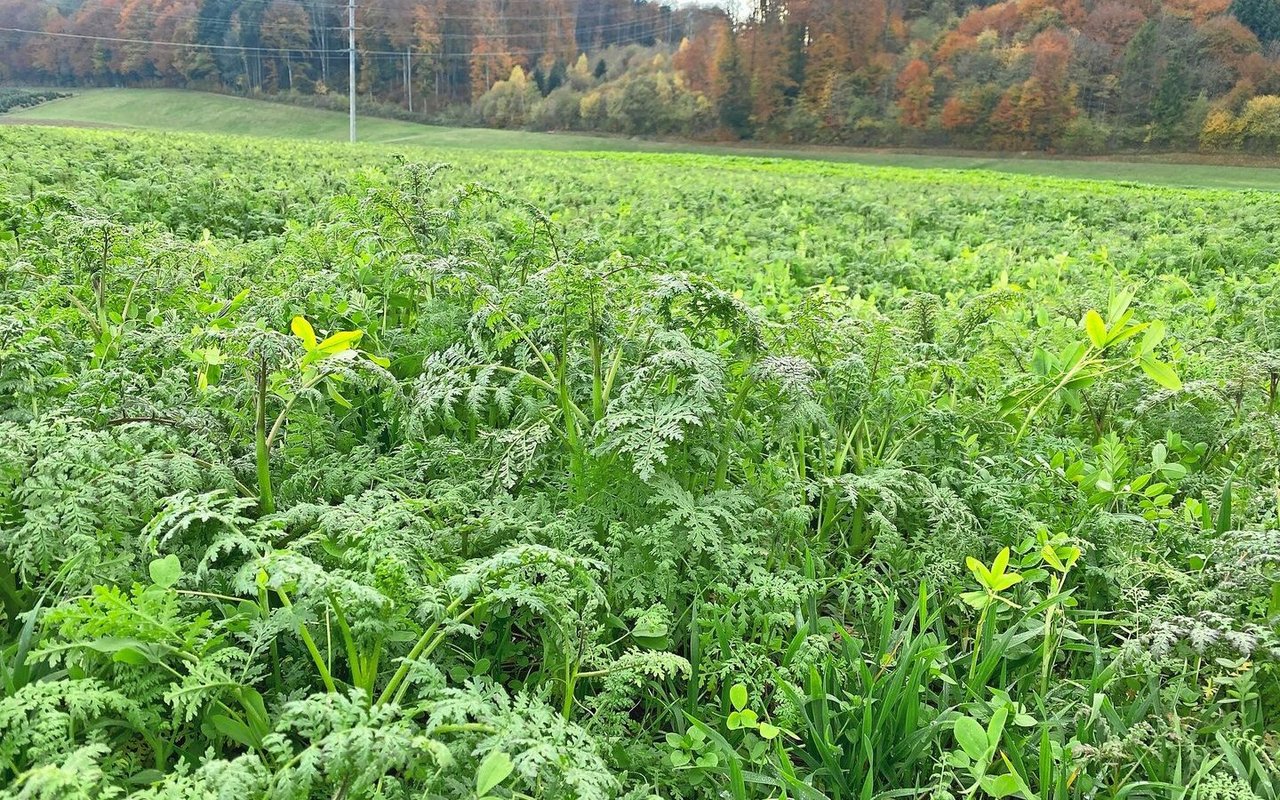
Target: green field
199 112
396 472
176 110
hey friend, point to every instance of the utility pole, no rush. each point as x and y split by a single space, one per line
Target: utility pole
408 75
351 65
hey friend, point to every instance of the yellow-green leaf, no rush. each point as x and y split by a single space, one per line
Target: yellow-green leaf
1051 556
1070 554
979 570
1005 581
1153 336
342 340
1120 303
1001 563
1118 334
1095 328
1160 372
1000 785
303 330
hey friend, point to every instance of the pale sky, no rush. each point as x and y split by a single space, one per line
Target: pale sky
740 7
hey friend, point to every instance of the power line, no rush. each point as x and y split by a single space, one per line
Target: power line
229 20
278 50
594 30
584 7
260 25
337 10
122 40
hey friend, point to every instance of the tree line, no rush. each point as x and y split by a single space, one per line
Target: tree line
1080 75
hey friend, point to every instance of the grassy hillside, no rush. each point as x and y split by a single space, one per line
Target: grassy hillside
200 112
177 110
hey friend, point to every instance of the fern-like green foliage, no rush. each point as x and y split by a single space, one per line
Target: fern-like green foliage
389 483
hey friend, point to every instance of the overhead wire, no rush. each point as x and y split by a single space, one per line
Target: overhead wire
273 50
576 19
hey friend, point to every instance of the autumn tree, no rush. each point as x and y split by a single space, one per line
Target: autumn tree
90 58
1197 11
136 23
426 50
1260 125
1221 131
285 28
1035 113
764 48
839 39
559 42
968 112
694 59
1114 23
1228 42
915 91
508 103
178 21
492 56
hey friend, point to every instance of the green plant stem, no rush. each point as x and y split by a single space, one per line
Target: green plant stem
266 499
1046 657
570 686
978 636
284 413
310 643
465 727
264 603
726 437
597 381
425 644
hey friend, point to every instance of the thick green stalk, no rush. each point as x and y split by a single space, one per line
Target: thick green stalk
310 643
857 539
827 512
266 499
570 686
597 382
722 460
425 644
360 676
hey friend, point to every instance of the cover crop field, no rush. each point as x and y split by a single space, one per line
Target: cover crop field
186 111
326 472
